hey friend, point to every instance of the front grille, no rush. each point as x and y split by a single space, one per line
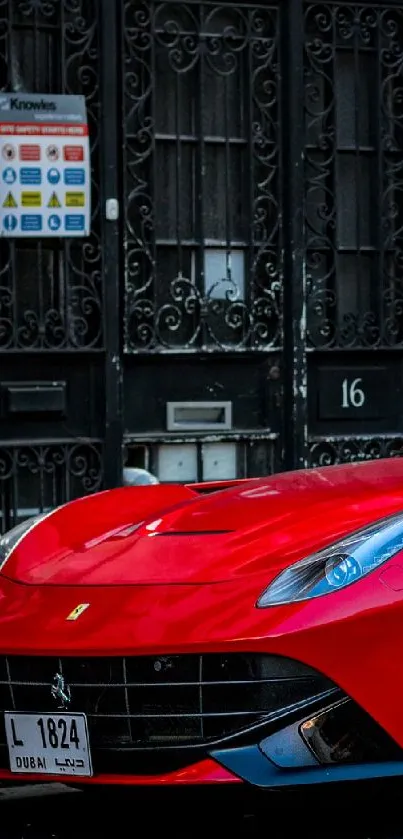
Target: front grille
137 703
151 714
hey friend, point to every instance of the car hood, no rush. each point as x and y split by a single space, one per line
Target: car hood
167 534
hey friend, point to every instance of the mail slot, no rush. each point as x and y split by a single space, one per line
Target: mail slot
35 397
199 416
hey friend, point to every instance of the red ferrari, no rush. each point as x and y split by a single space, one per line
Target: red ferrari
245 633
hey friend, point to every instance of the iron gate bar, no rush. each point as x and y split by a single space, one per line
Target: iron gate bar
38 475
295 369
110 188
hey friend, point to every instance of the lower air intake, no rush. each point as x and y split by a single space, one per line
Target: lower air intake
164 701
344 733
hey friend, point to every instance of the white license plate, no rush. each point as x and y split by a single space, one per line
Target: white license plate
48 744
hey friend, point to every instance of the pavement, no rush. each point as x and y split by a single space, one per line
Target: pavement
56 811
27 791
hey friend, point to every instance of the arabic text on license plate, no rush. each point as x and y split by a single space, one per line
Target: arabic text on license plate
48 744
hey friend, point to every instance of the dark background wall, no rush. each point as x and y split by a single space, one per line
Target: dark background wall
256 153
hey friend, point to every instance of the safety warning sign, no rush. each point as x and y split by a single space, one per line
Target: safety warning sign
73 154
44 146
31 199
9 200
31 152
75 199
54 201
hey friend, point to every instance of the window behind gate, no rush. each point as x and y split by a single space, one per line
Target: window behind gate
202 166
354 228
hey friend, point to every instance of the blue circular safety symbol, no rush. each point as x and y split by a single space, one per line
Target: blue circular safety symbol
9 222
54 222
53 176
9 175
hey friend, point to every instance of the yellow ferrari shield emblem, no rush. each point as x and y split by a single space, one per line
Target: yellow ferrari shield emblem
77 611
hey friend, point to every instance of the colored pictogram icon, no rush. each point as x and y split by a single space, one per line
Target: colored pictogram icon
52 153
53 176
54 201
8 151
9 175
9 201
9 222
54 222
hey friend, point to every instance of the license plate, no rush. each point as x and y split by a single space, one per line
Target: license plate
48 744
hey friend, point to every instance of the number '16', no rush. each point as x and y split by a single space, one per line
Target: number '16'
353 395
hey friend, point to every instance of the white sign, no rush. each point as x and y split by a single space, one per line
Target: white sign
48 744
45 176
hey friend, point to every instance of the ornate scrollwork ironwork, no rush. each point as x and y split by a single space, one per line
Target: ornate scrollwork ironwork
51 293
36 477
188 50
354 175
192 318
339 450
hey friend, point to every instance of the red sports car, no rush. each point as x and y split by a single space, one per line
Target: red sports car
247 633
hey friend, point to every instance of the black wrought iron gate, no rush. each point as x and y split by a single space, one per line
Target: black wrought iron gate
245 312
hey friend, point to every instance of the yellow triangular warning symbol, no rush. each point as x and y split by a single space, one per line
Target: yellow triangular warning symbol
9 200
54 201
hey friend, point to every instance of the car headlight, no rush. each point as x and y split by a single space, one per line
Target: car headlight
10 540
337 566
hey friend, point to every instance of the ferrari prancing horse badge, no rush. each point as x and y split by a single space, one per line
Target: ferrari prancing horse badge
77 611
